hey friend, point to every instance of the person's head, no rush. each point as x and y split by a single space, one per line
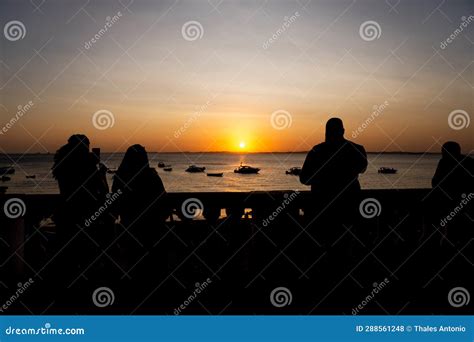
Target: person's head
79 142
334 129
451 149
135 159
71 155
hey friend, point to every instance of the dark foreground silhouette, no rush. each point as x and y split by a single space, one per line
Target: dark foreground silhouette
139 205
138 250
453 191
332 169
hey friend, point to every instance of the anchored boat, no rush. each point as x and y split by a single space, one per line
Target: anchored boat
245 169
215 174
7 170
387 170
294 171
195 169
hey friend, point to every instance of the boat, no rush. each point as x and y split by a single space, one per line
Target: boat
168 169
295 171
161 165
30 176
245 169
215 174
387 170
7 170
5 178
195 169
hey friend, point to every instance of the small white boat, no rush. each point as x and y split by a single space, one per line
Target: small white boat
294 171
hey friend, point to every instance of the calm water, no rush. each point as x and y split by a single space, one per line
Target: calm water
414 171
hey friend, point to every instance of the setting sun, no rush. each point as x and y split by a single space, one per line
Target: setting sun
242 144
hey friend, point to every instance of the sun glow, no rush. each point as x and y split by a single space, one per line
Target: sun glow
242 144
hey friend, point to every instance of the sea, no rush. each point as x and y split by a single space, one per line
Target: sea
414 171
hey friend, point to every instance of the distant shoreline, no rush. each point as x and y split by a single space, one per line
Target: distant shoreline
220 152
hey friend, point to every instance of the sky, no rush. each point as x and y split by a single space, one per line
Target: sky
223 75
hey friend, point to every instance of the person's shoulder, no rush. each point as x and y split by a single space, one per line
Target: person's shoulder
318 147
356 146
154 176
151 172
118 183
469 161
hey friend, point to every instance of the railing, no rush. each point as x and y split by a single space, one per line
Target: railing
40 206
235 241
254 207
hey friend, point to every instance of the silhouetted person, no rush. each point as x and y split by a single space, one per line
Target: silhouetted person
140 205
454 175
83 190
76 170
332 169
453 187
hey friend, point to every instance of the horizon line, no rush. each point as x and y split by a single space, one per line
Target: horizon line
228 152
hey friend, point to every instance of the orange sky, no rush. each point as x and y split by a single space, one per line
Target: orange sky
219 90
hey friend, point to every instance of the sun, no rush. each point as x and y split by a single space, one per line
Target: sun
242 144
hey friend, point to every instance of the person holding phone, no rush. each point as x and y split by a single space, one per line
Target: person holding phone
82 227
